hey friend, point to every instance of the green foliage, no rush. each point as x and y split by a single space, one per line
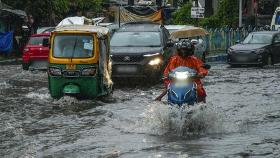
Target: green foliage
183 15
48 12
227 15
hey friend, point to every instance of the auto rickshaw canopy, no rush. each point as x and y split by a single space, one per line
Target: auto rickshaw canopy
101 31
188 32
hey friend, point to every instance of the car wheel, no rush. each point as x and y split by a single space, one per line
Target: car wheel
25 66
269 61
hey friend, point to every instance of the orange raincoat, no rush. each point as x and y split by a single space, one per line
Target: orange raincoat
191 62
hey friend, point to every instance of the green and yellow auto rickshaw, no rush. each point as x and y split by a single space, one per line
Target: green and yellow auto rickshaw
79 62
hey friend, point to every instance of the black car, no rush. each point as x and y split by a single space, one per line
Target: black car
137 50
258 48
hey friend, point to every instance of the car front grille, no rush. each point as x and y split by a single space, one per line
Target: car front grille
127 58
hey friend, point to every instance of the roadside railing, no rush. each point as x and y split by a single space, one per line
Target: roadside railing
220 39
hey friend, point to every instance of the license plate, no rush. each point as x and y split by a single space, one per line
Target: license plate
241 58
126 69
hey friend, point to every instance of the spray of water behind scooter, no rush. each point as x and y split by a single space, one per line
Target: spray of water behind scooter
161 119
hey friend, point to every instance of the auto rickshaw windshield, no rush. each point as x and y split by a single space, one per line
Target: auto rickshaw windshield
73 46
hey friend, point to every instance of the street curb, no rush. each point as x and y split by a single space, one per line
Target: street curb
217 58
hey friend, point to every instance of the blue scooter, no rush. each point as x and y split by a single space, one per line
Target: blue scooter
183 90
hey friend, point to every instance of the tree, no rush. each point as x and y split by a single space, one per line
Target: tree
183 15
227 15
49 12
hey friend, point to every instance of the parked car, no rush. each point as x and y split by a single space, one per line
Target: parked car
258 48
137 50
35 52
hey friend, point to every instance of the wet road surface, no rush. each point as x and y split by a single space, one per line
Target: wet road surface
242 119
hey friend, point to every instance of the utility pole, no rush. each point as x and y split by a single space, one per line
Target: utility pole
196 5
240 13
120 13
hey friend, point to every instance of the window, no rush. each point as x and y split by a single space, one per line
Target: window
258 38
136 39
36 40
73 46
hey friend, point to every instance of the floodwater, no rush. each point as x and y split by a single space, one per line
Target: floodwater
241 119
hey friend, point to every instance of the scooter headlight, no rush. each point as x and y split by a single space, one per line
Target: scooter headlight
182 75
155 61
89 71
54 71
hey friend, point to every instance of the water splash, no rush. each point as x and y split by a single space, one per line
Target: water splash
160 119
42 94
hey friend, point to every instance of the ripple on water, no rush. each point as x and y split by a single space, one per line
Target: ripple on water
41 94
5 85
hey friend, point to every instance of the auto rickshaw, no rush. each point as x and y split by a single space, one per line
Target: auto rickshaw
196 35
79 62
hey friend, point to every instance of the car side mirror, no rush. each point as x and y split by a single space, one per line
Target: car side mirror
46 42
237 42
169 44
194 42
207 66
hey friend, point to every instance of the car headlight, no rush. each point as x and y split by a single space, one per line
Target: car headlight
229 51
259 51
54 71
155 61
89 71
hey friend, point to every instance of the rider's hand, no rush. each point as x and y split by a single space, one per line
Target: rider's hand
158 99
200 76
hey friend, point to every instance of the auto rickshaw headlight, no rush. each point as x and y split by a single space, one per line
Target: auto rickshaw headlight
54 71
89 71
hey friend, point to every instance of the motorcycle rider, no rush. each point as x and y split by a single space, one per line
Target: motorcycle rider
184 57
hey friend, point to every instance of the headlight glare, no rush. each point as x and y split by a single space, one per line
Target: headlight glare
155 61
182 75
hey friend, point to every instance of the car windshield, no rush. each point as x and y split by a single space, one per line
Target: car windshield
73 46
36 40
136 39
255 38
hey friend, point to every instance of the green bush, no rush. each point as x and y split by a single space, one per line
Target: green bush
226 15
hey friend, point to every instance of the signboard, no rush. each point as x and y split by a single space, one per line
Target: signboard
197 12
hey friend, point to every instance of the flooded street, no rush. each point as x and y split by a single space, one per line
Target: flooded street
242 119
